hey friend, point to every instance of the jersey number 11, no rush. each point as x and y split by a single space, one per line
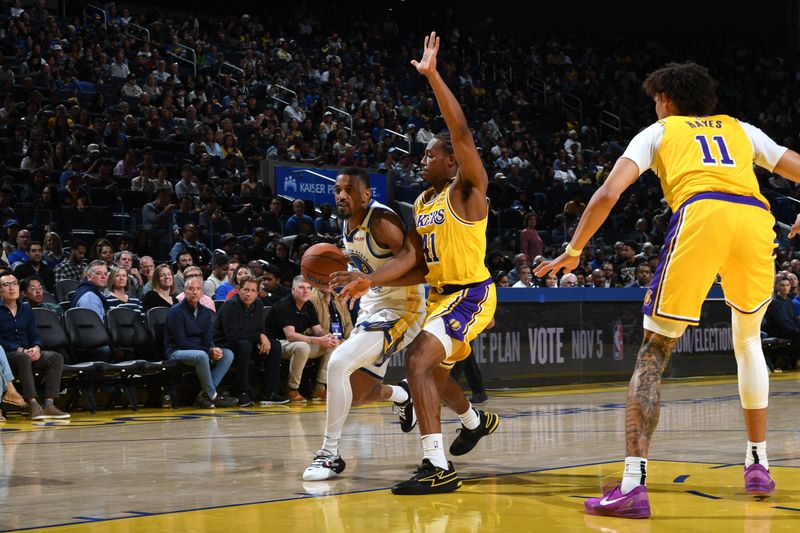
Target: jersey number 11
429 247
708 159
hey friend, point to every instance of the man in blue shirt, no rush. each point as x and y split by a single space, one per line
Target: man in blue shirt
20 340
188 338
20 255
299 223
89 293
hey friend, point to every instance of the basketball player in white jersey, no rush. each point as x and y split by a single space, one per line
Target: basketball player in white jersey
388 319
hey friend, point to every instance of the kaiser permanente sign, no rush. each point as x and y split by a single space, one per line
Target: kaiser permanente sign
316 184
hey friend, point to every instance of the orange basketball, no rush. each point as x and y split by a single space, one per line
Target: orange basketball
320 261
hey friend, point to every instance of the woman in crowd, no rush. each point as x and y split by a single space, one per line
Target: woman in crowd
231 286
117 291
531 243
53 249
163 292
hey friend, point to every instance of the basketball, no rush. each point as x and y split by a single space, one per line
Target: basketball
320 261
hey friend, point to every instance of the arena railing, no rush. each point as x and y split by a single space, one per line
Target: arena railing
90 12
140 33
400 136
346 114
570 102
192 62
610 120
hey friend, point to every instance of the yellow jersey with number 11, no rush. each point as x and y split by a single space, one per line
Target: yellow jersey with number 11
453 248
705 154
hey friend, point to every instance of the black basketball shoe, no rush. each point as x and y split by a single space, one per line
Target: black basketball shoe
405 410
429 479
468 438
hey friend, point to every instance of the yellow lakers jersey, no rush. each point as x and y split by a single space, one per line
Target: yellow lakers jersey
453 248
705 154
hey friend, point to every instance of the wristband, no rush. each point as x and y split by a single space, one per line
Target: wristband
572 252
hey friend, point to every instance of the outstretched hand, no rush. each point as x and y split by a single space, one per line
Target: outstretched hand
795 229
427 65
562 262
354 285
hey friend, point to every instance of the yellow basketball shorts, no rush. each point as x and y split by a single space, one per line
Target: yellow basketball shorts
465 311
714 233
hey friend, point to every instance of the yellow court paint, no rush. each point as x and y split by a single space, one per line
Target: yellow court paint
685 497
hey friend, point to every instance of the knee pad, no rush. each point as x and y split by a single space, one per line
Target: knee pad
751 365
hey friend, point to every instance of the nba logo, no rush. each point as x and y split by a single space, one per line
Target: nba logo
618 337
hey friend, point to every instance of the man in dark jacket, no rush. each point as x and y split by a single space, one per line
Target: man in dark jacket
37 268
780 320
188 338
240 327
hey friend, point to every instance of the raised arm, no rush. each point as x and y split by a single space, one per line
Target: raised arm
471 170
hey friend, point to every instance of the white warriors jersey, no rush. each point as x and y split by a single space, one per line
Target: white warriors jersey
368 256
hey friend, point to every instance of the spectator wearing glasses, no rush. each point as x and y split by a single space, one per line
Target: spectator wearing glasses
568 280
205 300
525 277
33 291
20 340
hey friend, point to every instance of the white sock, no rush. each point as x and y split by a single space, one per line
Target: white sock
635 473
433 450
470 418
756 454
399 394
331 443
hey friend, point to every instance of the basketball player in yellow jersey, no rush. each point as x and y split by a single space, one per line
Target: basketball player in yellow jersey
450 238
721 224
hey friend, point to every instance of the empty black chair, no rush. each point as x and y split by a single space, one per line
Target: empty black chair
121 376
77 378
48 298
129 334
87 333
64 287
155 323
88 336
775 350
51 332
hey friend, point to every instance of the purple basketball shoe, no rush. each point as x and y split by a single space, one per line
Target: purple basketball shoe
757 480
613 503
